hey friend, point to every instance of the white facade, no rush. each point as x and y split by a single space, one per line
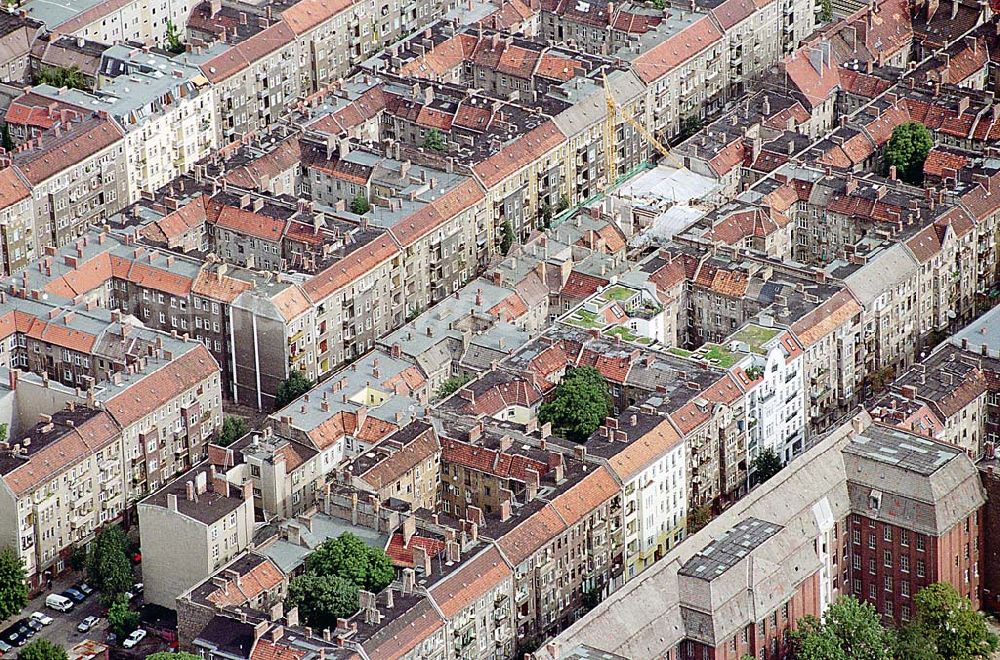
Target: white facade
655 509
775 404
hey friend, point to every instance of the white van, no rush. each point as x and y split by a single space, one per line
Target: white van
59 603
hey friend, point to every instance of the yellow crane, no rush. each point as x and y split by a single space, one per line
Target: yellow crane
610 150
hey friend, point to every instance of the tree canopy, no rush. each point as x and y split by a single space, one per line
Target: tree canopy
174 42
849 630
360 204
233 428
765 465
949 626
42 649
451 386
167 655
580 404
13 588
108 565
350 558
322 599
434 140
907 150
122 619
292 388
71 77
507 239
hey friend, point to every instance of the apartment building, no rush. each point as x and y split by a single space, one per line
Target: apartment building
201 512
112 22
77 176
649 457
63 478
164 106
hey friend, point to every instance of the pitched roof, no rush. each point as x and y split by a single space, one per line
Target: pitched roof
55 154
78 442
676 49
826 318
518 154
150 392
468 584
637 455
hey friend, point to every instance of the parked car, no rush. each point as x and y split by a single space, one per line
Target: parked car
135 591
59 602
35 624
42 618
84 588
4 647
134 639
26 628
87 624
75 595
12 636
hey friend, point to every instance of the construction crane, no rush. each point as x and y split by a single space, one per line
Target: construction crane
610 151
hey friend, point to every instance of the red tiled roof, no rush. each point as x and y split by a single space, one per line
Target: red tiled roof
258 225
148 393
469 583
262 578
402 556
668 54
350 268
519 154
581 285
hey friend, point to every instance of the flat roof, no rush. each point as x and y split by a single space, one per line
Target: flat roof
729 549
907 451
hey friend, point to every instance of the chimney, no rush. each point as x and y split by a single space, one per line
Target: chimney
409 529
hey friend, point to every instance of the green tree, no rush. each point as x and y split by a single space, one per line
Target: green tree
13 588
451 386
233 428
108 565
122 619
826 11
907 150
292 388
910 644
42 649
71 77
849 630
689 126
948 624
698 517
167 655
765 465
322 599
174 43
350 558
360 204
580 404
563 204
507 240
434 140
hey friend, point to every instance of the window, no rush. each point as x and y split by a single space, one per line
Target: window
887 559
920 543
871 540
872 591
904 588
887 534
920 568
904 563
856 536
888 583
904 612
871 566
904 537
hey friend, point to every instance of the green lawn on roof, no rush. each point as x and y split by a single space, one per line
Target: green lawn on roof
617 293
725 358
756 336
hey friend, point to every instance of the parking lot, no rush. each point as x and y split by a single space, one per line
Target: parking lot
63 630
